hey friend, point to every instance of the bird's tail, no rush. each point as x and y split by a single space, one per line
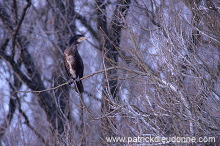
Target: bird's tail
79 86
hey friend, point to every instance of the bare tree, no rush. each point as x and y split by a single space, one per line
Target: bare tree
151 68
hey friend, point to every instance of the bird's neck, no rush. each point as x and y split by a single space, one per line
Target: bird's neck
74 45
74 48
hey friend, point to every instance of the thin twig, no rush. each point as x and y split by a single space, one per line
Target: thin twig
27 121
46 89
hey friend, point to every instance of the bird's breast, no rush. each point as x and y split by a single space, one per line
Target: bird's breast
70 61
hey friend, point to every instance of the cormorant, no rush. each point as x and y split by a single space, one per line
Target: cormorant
73 62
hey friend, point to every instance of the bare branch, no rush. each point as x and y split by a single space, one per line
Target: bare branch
88 76
19 26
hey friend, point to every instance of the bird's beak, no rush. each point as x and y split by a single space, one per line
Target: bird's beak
83 38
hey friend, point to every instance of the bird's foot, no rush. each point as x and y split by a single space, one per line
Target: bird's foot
77 79
70 81
73 80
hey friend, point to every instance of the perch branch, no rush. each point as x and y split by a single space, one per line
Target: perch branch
85 77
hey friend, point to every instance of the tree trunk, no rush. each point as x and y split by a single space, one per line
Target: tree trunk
109 36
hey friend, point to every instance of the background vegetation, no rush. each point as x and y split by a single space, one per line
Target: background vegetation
151 68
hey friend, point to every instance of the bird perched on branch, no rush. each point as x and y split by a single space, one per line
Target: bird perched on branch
73 62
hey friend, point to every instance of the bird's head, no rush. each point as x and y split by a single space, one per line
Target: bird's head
76 39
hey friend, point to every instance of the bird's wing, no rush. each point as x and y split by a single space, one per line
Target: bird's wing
82 68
